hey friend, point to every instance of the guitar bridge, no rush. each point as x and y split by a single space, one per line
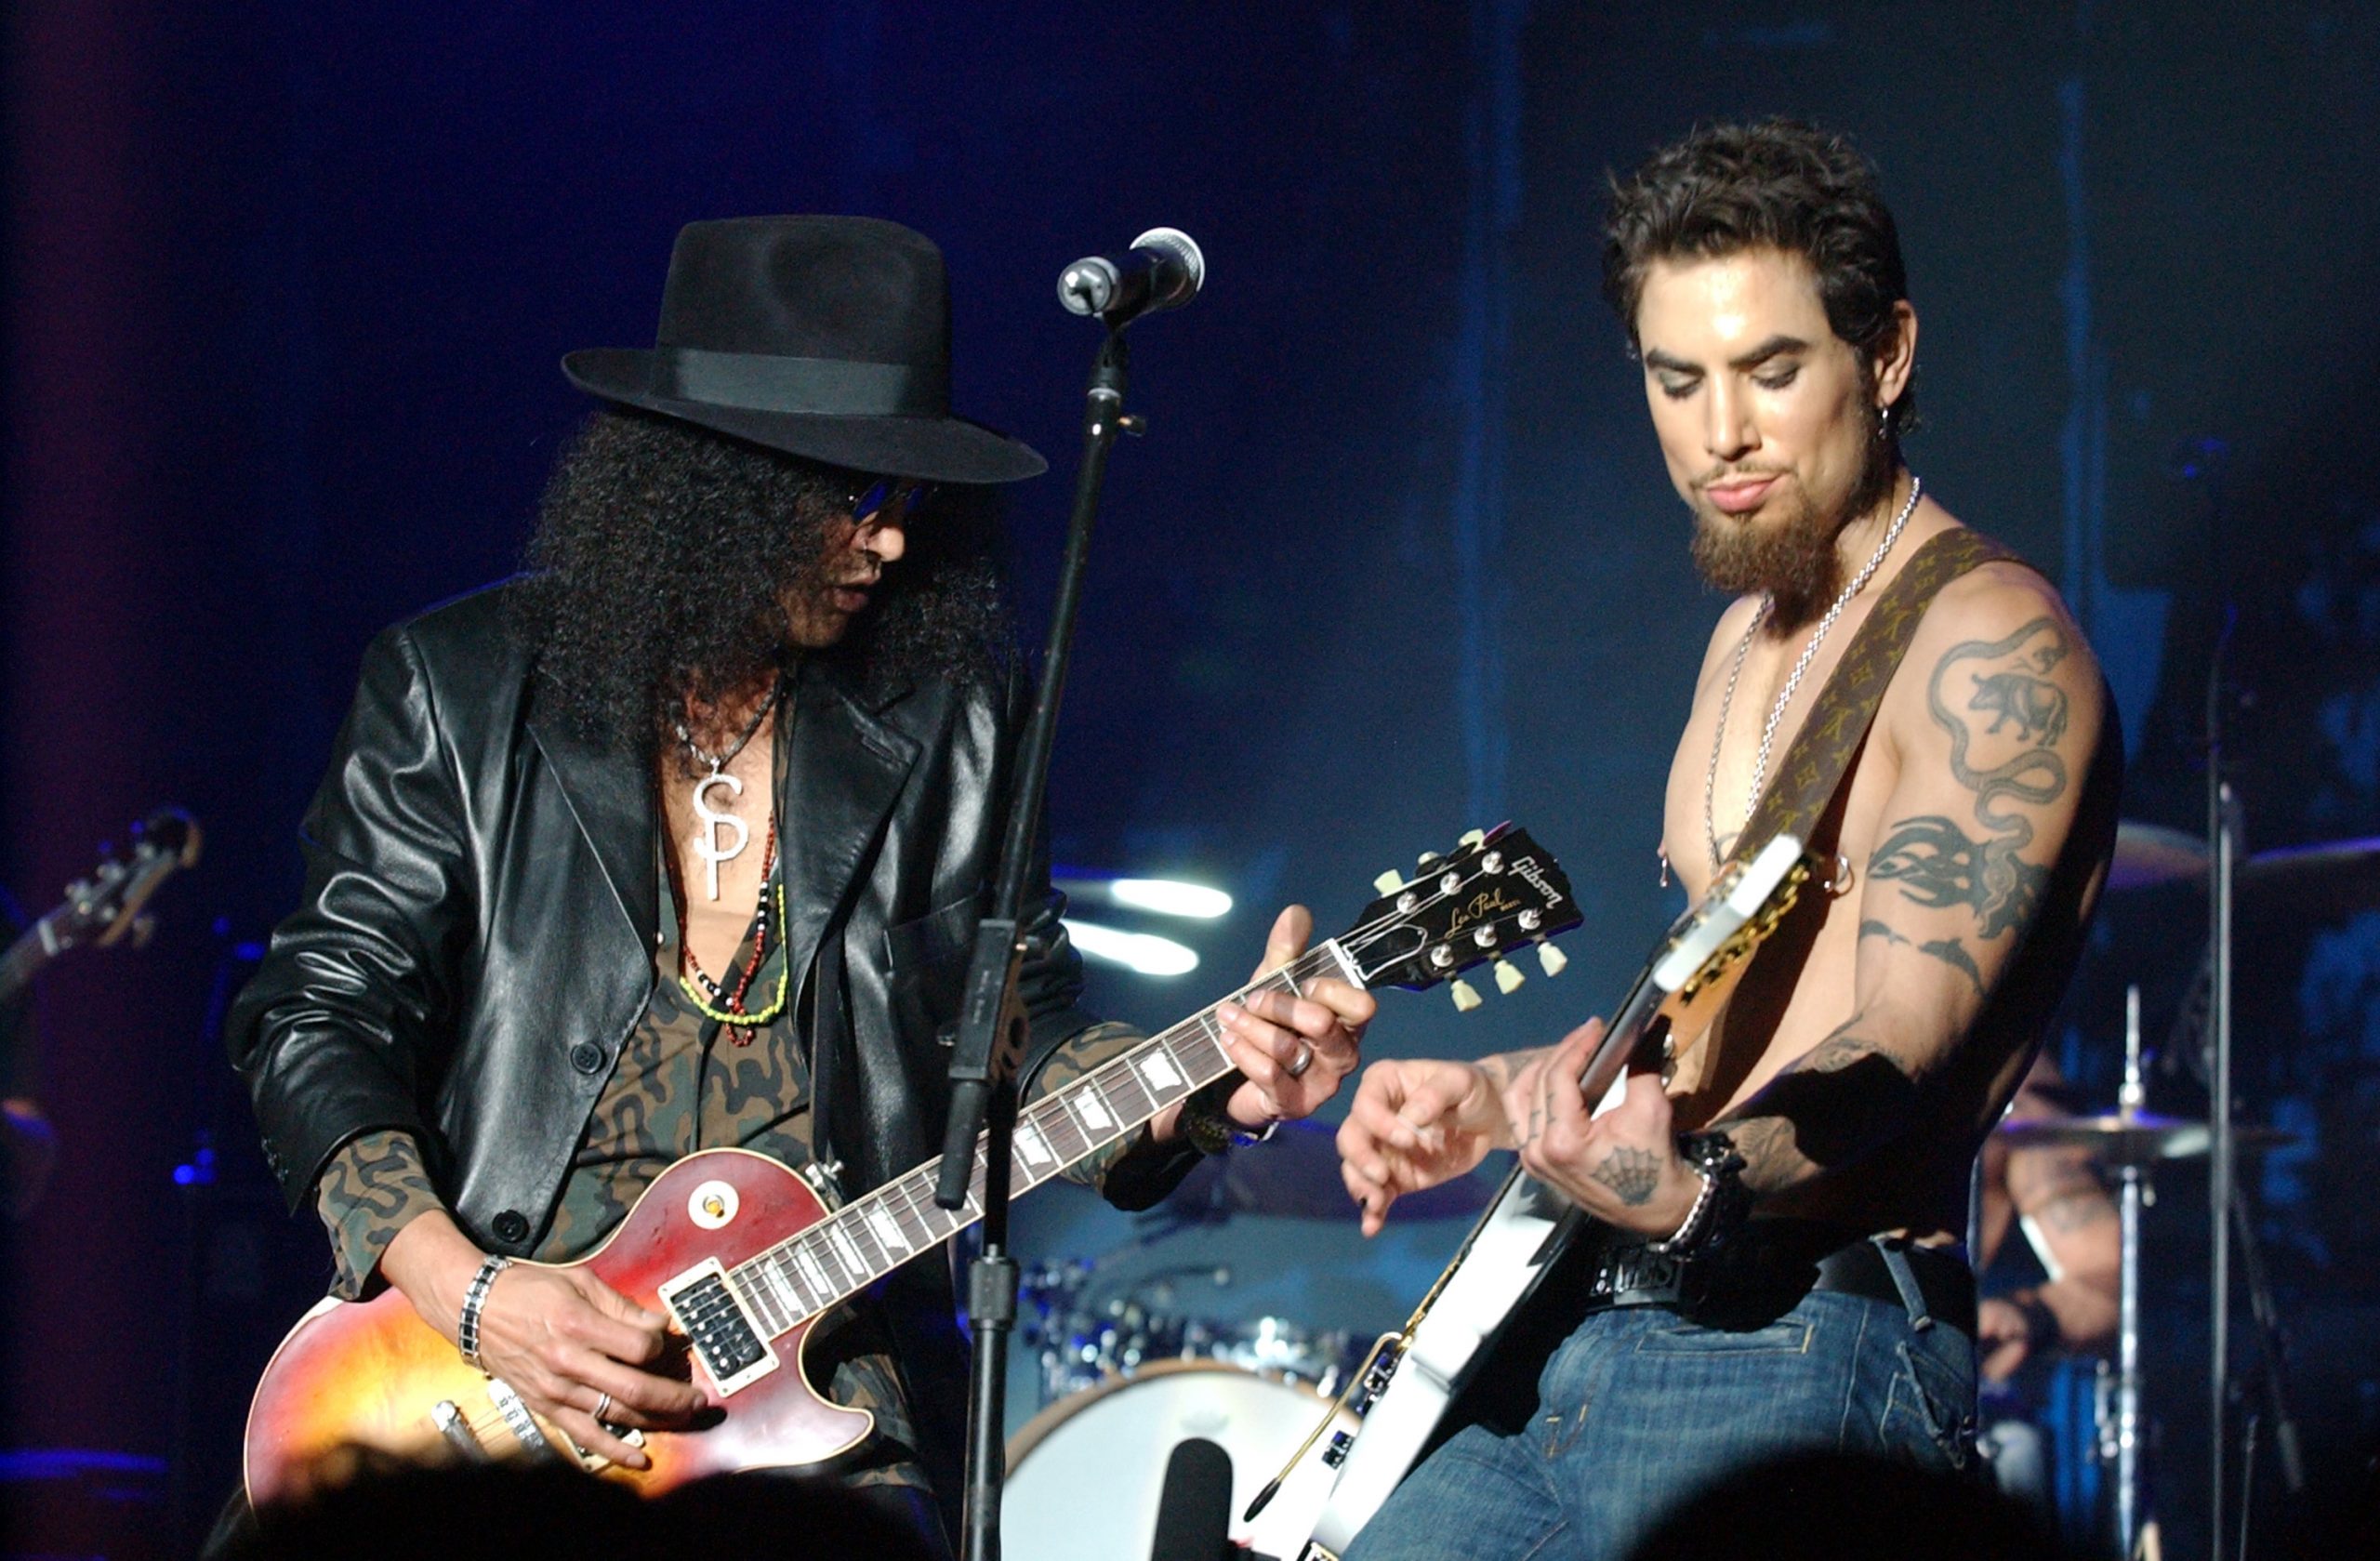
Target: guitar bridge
724 1338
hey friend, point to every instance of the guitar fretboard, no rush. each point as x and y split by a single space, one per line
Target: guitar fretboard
860 1243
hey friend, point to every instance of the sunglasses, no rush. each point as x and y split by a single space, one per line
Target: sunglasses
889 499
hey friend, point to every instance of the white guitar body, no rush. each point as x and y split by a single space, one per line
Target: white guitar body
1500 1261
1506 1253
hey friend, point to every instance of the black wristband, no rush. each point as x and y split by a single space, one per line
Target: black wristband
1207 1124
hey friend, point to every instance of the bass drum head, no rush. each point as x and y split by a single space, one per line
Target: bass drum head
1087 1474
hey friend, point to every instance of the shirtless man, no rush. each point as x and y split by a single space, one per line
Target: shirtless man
1857 1070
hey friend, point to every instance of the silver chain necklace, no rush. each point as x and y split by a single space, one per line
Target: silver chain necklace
1793 681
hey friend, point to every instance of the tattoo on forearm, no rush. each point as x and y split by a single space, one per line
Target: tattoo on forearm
1828 1107
1953 953
1771 1157
1834 1053
1631 1174
1948 950
1938 863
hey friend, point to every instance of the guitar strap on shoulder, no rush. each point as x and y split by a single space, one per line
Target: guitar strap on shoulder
1821 751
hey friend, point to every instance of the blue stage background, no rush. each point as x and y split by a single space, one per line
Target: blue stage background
285 288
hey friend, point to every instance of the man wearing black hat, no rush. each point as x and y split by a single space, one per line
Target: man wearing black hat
679 841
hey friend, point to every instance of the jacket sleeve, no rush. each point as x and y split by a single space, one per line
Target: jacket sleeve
334 1035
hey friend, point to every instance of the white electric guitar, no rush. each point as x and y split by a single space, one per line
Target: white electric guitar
1411 1376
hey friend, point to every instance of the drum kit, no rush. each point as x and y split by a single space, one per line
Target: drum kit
1132 1362
2334 878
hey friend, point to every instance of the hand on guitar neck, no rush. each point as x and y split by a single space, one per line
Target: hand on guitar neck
1417 1123
561 1337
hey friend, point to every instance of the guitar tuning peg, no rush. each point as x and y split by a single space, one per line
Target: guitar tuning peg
1466 996
1472 837
1552 959
1390 882
1428 857
1509 977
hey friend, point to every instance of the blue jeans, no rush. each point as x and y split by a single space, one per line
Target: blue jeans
1639 1408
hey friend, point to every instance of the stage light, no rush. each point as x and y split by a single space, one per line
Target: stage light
1167 896
1141 952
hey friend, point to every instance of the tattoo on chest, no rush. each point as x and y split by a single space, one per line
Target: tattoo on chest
1631 1174
1997 697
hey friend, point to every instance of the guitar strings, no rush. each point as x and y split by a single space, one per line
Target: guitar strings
897 1200
1313 962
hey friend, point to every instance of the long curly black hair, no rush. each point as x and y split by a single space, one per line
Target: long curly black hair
663 554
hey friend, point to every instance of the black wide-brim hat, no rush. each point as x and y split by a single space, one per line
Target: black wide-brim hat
827 337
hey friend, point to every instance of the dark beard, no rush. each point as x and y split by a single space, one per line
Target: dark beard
1793 561
665 555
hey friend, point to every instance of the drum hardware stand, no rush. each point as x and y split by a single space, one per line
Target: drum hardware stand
2124 1441
2223 836
2271 1355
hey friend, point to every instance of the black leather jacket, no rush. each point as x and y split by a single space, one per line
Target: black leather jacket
475 941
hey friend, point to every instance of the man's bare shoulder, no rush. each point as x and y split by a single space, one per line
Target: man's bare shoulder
1999 645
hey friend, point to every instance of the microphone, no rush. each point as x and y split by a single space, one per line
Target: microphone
1193 1514
1164 271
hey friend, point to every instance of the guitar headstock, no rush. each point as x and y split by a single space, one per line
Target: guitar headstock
106 907
1496 893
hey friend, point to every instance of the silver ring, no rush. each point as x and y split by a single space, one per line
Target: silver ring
1295 1068
602 1408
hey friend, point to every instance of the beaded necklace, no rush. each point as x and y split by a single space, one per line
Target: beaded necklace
742 1025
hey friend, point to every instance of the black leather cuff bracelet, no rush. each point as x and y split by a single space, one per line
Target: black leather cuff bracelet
1207 1124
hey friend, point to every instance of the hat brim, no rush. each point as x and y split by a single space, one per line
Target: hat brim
935 449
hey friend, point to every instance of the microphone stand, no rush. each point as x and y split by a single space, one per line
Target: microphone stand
993 1024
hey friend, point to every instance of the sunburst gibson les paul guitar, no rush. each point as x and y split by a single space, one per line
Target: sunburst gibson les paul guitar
744 1256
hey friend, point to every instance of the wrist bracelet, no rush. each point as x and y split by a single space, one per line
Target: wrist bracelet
1207 1125
466 1327
1720 1206
1684 1236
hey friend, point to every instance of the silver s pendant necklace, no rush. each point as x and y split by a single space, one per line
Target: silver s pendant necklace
705 838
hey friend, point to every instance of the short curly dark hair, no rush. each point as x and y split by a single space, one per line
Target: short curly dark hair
1773 184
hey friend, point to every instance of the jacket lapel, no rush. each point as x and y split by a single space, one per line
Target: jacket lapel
844 769
610 797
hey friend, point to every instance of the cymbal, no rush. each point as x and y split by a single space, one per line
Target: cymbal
2148 854
2331 878
1294 1174
2139 1138
2328 878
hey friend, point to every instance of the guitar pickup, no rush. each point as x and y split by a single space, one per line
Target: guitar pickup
724 1338
448 1417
